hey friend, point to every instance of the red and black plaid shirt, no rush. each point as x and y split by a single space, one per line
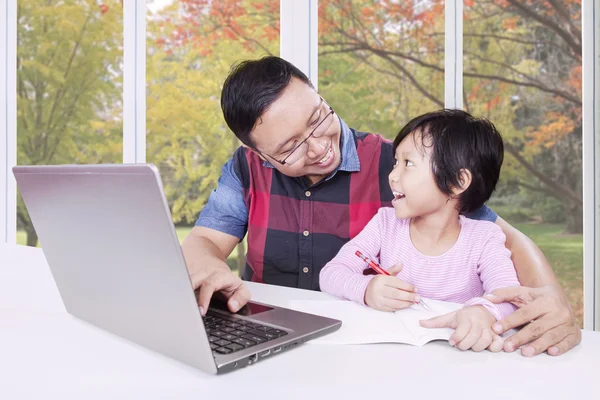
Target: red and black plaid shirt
295 228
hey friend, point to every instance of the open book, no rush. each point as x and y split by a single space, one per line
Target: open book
361 324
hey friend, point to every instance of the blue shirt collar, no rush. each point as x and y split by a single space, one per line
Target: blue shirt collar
350 161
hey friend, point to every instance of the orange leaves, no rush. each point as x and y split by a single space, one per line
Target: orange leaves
228 33
510 24
367 12
575 79
271 33
204 24
555 127
493 103
474 93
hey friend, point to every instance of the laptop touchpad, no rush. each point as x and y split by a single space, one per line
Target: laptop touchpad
248 309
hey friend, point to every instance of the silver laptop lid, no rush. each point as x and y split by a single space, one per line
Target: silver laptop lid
107 234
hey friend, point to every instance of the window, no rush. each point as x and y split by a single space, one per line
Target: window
381 63
190 48
523 70
69 87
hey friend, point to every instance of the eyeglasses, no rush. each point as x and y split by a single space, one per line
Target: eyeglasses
299 151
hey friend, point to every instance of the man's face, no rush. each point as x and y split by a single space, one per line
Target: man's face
289 121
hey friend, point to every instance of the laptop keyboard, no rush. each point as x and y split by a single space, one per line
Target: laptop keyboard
228 335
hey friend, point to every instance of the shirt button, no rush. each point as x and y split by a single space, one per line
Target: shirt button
305 270
305 233
307 193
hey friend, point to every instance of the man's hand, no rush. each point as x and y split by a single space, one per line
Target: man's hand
472 328
390 293
205 251
224 282
550 323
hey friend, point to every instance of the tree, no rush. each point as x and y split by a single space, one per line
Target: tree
522 70
191 46
382 63
68 85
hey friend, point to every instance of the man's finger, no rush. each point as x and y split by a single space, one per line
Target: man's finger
528 334
566 344
239 298
205 293
547 340
196 280
443 321
520 317
518 295
207 289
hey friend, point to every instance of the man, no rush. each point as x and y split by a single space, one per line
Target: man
303 184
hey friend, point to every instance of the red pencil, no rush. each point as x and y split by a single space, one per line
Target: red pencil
382 271
372 264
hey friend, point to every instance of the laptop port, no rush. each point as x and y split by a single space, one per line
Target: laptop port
276 349
265 353
253 358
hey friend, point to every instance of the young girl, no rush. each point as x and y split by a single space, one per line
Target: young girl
447 166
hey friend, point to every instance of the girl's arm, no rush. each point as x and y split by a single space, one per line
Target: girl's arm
496 271
343 276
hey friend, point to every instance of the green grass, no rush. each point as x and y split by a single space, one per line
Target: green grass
564 252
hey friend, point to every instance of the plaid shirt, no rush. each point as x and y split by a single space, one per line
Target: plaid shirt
295 228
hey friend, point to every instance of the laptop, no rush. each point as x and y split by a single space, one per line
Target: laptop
108 237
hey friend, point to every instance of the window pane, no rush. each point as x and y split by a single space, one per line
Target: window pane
190 48
522 70
381 63
69 88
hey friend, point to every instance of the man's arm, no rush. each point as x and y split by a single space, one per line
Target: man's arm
205 251
542 303
220 226
532 268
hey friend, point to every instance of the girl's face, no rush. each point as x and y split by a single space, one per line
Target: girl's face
415 191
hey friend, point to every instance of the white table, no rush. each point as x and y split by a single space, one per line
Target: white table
45 353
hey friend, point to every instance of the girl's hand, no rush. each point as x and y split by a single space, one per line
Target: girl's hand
473 329
390 293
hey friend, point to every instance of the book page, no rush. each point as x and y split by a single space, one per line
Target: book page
362 324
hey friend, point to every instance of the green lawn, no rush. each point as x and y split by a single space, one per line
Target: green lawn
564 252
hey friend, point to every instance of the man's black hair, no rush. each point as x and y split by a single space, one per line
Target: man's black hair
250 89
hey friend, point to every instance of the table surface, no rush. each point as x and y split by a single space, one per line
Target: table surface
47 353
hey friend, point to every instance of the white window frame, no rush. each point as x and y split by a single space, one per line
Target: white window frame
453 54
8 120
591 163
134 81
299 36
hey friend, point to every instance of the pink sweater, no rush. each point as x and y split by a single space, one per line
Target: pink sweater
478 263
